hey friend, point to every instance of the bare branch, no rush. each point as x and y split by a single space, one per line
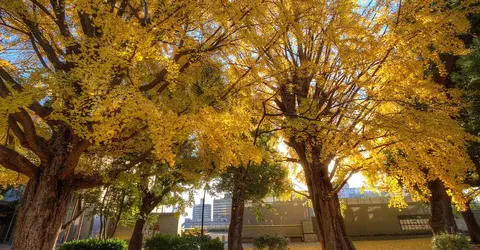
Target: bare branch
301 193
79 146
14 161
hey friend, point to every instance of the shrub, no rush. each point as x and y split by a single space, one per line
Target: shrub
450 242
159 242
94 244
184 242
275 242
207 243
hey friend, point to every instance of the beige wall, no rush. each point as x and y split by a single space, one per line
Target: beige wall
168 224
379 219
293 231
363 217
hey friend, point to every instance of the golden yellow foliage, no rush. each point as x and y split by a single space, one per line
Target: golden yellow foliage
351 81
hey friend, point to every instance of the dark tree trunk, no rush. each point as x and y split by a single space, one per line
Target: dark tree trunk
332 232
48 193
472 225
238 207
442 220
149 202
136 241
42 213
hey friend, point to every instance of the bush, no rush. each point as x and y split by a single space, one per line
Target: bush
450 242
207 243
184 242
95 244
270 242
159 242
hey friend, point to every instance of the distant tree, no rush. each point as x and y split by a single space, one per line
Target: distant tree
467 78
250 183
167 187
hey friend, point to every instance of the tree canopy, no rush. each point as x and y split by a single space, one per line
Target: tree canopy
92 88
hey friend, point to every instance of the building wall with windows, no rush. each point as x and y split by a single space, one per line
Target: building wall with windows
222 209
197 212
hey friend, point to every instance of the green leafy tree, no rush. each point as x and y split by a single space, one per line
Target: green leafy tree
250 183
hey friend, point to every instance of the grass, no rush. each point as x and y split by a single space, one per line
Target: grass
397 244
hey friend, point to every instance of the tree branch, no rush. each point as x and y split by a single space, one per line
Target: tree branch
14 161
33 142
80 181
79 146
301 193
39 110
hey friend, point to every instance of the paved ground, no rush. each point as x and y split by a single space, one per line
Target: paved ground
396 244
4 247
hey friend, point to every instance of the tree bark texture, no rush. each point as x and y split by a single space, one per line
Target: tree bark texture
441 220
235 229
326 205
48 193
41 215
472 225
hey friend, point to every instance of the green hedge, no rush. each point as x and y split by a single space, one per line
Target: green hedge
95 244
269 242
450 242
184 242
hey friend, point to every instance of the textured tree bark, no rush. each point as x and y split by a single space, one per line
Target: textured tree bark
472 225
48 193
442 220
41 215
238 207
332 230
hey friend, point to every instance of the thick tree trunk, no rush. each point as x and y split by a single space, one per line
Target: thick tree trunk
238 207
136 241
472 225
41 215
442 220
48 192
332 231
149 202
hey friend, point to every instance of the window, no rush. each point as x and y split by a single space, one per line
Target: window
414 222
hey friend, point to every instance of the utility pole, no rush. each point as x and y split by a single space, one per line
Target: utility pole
203 208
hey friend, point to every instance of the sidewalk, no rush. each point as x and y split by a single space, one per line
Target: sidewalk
4 247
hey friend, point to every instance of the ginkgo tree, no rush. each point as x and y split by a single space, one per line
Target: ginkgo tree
343 81
83 92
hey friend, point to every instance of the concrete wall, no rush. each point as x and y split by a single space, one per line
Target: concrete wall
379 219
292 231
287 213
363 217
167 223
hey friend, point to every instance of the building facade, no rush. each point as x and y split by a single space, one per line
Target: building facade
222 208
197 212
